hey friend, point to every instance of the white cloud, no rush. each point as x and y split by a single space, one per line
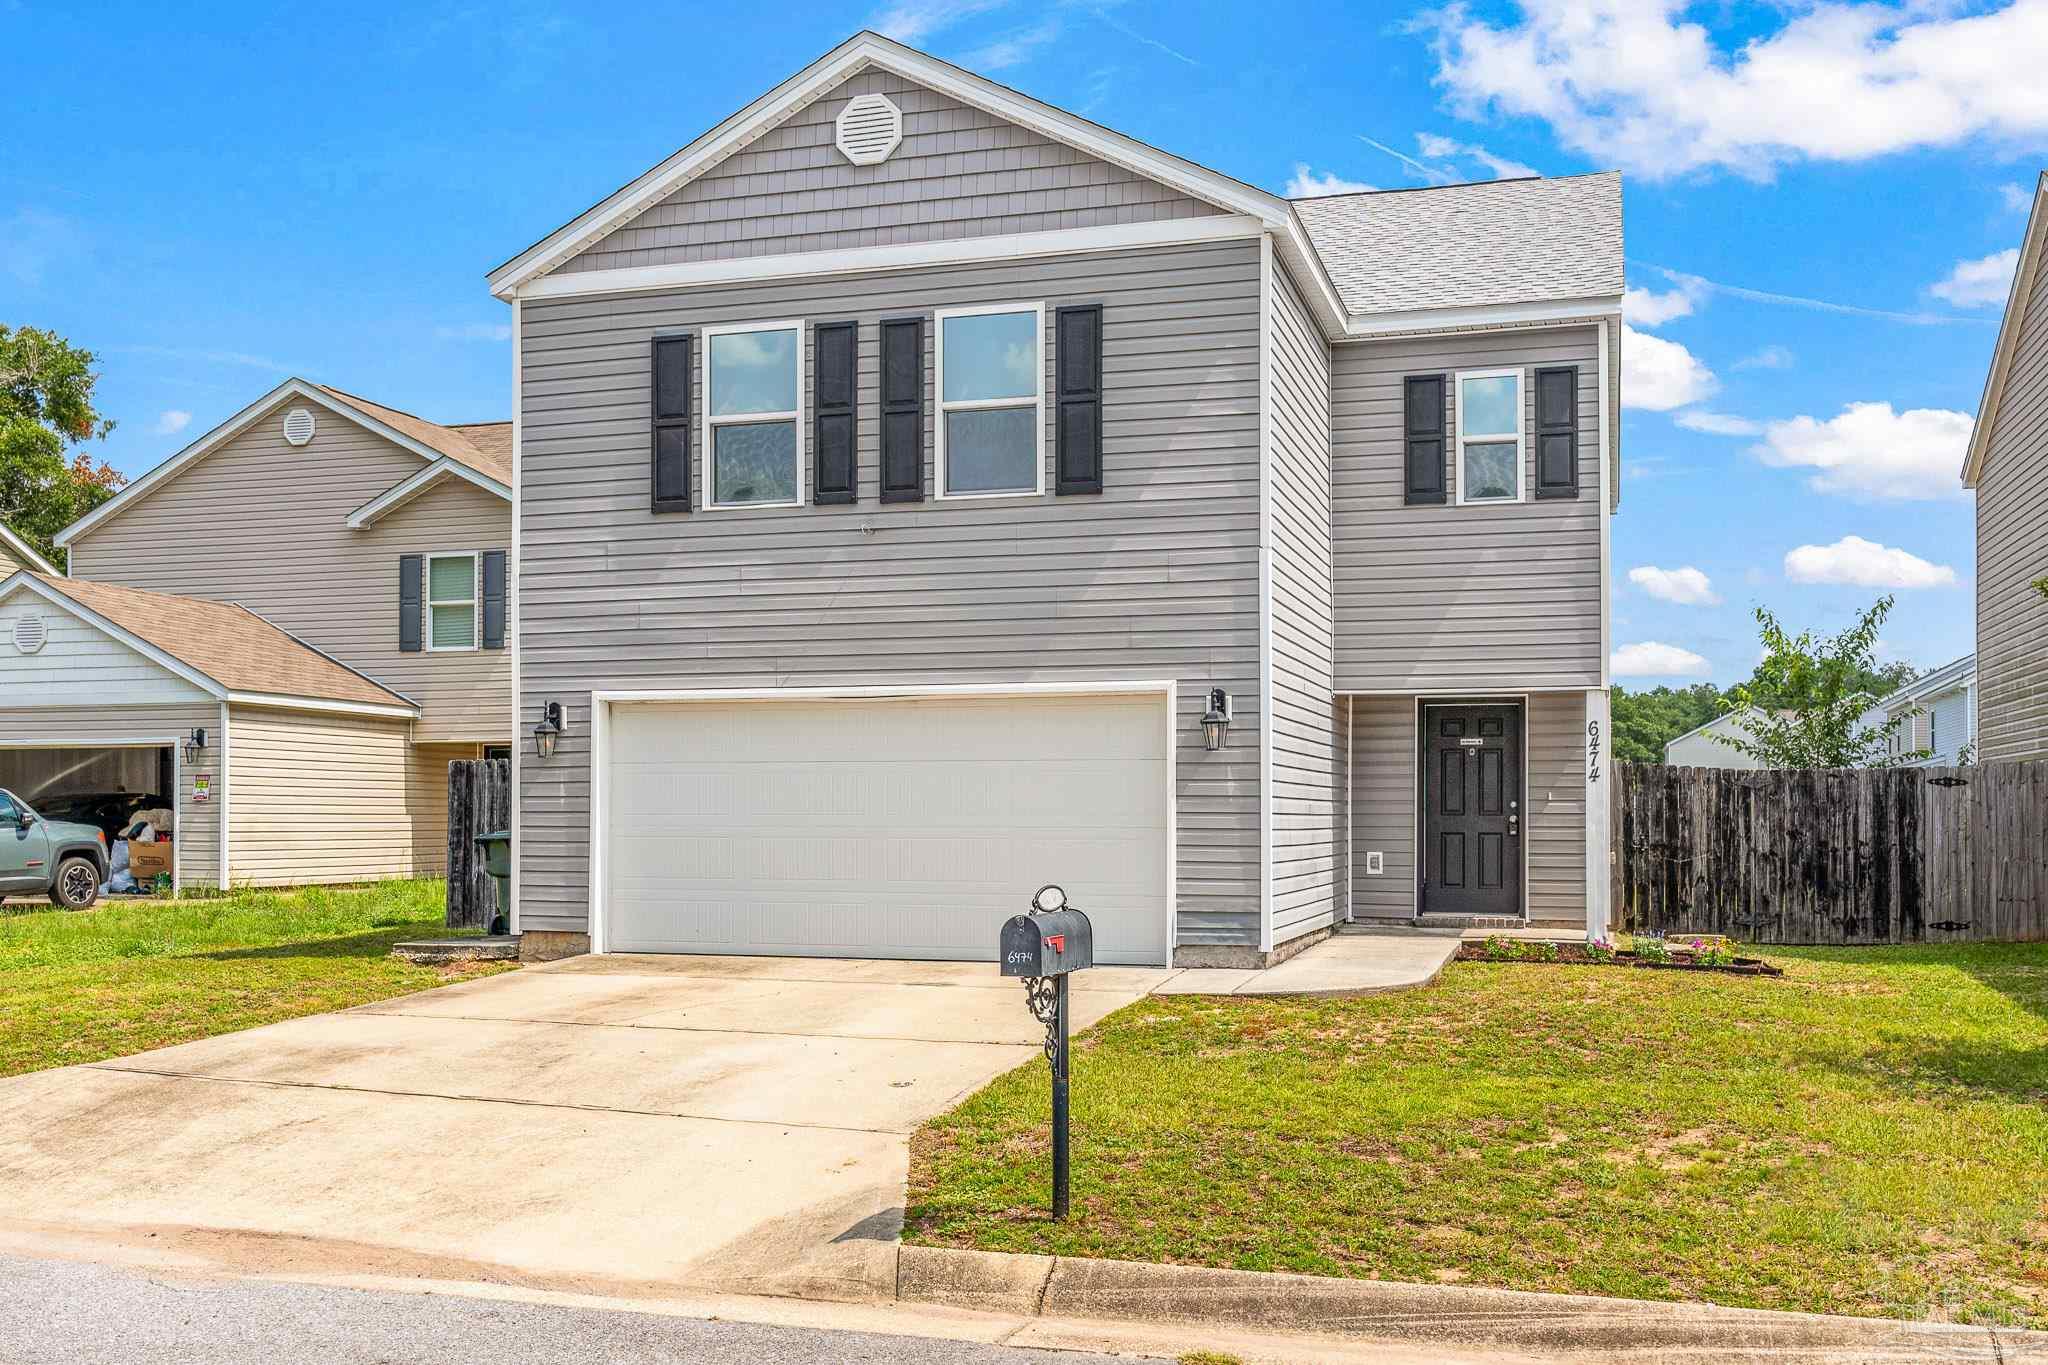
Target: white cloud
912 21
1769 358
1661 375
1870 451
1499 167
1717 423
1632 84
475 331
1653 659
1423 171
2017 198
1981 283
172 421
1861 563
1307 184
1644 307
1014 48
1687 587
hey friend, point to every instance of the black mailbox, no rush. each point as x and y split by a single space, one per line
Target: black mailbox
1048 944
1045 947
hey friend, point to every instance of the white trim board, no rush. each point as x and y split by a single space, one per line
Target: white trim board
512 607
709 422
28 552
2009 325
396 496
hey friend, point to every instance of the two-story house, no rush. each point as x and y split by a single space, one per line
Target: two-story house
925 493
287 630
2007 465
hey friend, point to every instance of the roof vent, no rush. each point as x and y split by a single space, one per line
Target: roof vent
298 426
31 633
870 127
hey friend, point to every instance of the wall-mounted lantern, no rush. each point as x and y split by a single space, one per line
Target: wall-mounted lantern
1216 720
549 730
195 745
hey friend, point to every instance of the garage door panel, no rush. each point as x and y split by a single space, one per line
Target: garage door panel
884 828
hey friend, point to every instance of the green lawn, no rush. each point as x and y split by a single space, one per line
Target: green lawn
132 975
1867 1134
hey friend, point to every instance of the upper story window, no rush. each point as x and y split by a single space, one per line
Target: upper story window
1489 408
451 602
991 382
753 435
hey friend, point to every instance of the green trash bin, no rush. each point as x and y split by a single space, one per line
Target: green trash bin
497 850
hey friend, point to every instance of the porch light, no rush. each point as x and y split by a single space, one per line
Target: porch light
195 744
1216 720
549 730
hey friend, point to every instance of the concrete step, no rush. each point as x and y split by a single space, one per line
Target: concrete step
488 948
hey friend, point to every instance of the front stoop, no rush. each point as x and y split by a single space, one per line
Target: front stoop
1437 1315
431 951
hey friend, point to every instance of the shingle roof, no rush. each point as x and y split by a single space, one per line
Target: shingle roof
230 644
1453 246
476 444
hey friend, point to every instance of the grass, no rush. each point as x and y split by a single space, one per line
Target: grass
1867 1135
132 975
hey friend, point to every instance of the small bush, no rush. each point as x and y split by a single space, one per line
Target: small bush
1500 949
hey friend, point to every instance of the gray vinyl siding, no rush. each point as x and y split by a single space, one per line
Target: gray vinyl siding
1503 596
960 172
1156 578
1382 781
2012 551
1554 764
1307 772
263 523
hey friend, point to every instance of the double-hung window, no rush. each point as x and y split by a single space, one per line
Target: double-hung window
991 382
1489 408
753 428
451 602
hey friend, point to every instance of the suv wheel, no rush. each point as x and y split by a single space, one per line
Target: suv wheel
77 884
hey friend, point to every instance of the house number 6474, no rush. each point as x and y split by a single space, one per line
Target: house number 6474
1592 751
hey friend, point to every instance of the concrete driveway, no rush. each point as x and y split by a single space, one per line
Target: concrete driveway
615 1125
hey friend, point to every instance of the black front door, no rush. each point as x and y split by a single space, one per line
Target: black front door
1472 809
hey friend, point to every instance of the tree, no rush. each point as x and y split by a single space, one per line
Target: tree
1644 722
1803 708
46 401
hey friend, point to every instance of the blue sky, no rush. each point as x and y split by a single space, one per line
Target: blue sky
214 198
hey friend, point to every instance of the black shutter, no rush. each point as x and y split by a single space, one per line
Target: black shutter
671 412
833 414
1077 353
902 409
410 571
494 599
1557 432
1422 406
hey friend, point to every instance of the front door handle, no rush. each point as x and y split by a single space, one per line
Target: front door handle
1514 824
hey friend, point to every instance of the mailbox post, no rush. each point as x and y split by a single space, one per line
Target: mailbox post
1044 948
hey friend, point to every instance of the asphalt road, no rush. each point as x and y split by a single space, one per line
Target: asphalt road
60 1312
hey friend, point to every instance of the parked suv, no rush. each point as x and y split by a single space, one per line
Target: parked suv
66 861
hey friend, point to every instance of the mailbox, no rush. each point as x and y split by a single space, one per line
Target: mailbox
1048 944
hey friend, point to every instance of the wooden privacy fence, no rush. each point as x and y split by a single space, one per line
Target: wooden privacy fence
1898 855
479 801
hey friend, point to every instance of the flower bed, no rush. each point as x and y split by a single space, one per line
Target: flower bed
1689 955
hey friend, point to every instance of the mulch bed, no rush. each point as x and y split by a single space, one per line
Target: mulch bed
1575 955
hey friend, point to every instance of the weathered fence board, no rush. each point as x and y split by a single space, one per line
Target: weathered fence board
1900 855
479 801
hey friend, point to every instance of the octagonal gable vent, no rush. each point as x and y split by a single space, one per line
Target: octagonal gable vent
870 127
298 426
31 633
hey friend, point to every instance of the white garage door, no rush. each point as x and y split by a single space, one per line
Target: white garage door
907 828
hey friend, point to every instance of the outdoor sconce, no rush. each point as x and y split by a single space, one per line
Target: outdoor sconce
1216 720
549 730
195 744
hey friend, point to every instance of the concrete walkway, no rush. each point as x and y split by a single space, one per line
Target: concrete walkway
1343 964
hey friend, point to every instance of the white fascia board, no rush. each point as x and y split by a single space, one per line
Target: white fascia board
227 431
909 255
286 702
856 54
1481 317
24 580
399 494
2008 334
27 552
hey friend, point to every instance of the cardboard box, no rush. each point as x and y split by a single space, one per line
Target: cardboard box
146 860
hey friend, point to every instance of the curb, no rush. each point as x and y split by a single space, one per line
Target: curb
1384 1310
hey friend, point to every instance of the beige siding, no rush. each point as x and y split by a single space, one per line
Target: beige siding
960 172
1156 578
1450 597
263 523
430 803
2012 551
10 561
1307 761
330 798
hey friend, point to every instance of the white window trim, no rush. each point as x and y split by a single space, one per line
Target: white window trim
476 602
942 407
1521 432
710 424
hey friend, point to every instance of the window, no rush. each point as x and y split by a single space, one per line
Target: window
753 435
1490 436
451 602
991 382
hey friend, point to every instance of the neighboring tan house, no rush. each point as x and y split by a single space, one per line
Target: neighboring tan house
1944 720
1699 747
2008 466
913 477
16 553
363 534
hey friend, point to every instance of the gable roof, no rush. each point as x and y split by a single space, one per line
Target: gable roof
26 552
2031 250
486 460
222 648
1950 676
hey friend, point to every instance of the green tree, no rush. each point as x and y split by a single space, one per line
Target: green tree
1644 722
46 403
1803 708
